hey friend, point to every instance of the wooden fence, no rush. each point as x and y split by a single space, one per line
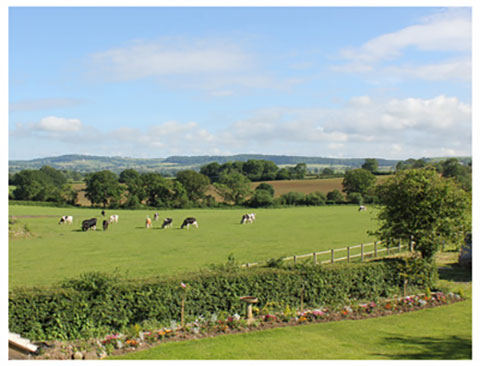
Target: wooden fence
347 254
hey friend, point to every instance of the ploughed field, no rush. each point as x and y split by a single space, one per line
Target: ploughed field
53 252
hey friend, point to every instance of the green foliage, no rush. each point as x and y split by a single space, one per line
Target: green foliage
46 184
420 205
359 181
371 165
234 187
98 302
102 188
196 184
335 196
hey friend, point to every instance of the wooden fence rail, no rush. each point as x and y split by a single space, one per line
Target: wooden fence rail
374 253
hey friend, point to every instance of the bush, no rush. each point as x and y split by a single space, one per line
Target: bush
98 303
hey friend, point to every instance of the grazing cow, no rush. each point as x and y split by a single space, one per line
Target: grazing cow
89 224
362 208
246 219
148 223
167 223
113 218
155 217
66 219
105 225
103 212
189 221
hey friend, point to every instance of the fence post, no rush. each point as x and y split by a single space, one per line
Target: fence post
375 249
399 246
248 265
333 256
362 251
411 243
314 258
348 254
388 247
294 259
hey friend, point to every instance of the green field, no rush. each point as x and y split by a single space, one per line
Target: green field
55 252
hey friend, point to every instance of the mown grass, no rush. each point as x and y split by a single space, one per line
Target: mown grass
437 333
54 252
442 333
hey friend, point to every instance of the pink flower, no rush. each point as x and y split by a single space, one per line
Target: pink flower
183 285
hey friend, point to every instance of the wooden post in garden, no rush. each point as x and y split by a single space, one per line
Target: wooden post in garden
375 249
294 259
399 246
333 256
348 254
314 258
361 248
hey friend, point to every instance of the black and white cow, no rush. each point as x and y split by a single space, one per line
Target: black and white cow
105 224
362 208
155 216
248 218
167 223
189 221
66 220
103 212
89 224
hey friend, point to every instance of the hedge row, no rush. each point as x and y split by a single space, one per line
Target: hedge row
96 304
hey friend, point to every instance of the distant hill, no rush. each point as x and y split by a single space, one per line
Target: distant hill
90 163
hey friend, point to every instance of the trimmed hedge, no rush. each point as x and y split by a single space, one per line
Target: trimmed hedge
96 304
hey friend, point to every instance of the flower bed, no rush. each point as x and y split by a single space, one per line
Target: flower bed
226 324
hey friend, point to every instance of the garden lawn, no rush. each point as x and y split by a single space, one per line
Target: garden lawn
56 252
438 333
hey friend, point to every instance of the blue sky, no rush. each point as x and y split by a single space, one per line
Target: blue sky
357 82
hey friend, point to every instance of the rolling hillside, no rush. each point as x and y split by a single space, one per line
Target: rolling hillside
116 164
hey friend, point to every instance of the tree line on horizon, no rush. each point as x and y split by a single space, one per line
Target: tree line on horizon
231 181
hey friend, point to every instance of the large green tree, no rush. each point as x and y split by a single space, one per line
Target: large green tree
103 188
233 187
420 205
358 181
196 184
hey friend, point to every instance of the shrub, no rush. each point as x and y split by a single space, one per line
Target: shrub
97 303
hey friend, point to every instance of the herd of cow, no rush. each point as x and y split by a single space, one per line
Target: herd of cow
91 224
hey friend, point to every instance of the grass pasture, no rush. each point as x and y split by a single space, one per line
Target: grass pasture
54 252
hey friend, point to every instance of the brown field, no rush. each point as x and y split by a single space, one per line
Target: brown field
304 186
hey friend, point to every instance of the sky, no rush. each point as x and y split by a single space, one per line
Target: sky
152 82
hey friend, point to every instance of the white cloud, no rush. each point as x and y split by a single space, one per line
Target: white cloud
363 126
59 124
169 57
448 31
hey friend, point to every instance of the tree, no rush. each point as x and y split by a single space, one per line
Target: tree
299 171
157 190
102 188
196 184
420 205
358 180
266 187
233 187
335 196
136 192
371 165
260 198
283 174
253 169
212 171
45 184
